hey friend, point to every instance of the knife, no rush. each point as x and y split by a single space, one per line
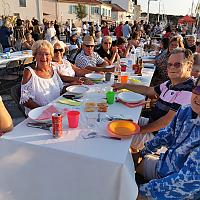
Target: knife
44 126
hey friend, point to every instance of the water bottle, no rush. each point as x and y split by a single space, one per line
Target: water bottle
117 73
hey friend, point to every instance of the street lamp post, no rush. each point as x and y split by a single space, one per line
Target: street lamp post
148 9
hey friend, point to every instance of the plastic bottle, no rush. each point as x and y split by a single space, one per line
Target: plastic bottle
117 73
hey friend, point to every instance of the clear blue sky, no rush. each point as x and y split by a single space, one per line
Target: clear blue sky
174 7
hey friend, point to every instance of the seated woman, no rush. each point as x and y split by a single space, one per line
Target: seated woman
160 61
135 39
28 43
41 85
107 52
175 173
5 119
65 69
196 66
123 47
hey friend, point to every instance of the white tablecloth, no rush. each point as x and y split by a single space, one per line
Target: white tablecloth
19 55
36 166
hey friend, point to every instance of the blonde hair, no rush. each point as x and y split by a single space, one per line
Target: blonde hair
61 43
42 44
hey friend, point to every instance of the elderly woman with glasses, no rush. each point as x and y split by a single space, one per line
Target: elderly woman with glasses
42 84
67 71
107 52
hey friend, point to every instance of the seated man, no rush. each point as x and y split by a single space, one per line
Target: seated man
89 59
107 52
172 94
5 119
176 173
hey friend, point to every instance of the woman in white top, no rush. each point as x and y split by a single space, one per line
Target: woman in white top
41 85
65 69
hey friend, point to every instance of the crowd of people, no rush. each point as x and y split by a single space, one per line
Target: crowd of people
172 123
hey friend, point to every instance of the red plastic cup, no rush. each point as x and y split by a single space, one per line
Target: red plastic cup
123 68
73 118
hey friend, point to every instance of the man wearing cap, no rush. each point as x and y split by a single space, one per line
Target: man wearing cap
89 59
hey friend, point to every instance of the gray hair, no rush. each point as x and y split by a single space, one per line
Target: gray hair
188 56
107 38
42 44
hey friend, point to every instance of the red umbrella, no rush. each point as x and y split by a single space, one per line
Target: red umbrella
186 19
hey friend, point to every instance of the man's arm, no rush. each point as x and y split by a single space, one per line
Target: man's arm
99 69
181 184
158 124
141 89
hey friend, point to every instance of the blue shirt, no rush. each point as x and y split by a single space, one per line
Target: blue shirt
179 167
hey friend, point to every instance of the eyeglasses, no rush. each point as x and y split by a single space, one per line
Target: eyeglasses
196 90
58 50
176 65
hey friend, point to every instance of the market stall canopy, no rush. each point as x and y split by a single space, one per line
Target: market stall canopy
186 19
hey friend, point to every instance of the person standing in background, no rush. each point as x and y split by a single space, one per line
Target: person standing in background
126 30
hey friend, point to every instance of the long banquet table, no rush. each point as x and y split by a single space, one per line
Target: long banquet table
18 55
33 165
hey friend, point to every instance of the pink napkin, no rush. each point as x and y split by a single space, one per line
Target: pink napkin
46 114
132 105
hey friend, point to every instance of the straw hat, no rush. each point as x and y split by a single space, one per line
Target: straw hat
88 40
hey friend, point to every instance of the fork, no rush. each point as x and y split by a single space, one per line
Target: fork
96 135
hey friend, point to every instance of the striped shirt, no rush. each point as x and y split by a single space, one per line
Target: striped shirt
83 60
171 97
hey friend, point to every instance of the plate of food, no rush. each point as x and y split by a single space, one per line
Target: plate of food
122 128
95 76
130 97
77 89
42 114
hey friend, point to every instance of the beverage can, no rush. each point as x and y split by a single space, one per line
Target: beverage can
57 125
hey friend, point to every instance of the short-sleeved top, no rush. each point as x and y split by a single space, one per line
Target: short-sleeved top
171 97
83 60
42 91
64 69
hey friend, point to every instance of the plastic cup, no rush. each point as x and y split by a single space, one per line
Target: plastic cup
108 76
124 79
123 68
110 96
73 118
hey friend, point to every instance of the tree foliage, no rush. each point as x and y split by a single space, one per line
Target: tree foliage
81 11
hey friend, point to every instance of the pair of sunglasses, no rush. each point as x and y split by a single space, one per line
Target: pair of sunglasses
58 50
89 46
196 90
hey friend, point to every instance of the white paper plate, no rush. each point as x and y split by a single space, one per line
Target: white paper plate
94 76
140 79
109 66
130 97
77 89
35 113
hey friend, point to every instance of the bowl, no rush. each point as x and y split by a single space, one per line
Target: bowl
122 128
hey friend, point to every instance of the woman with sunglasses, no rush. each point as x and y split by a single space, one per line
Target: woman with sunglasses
65 69
174 174
42 84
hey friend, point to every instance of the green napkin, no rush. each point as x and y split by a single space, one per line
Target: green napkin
69 102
